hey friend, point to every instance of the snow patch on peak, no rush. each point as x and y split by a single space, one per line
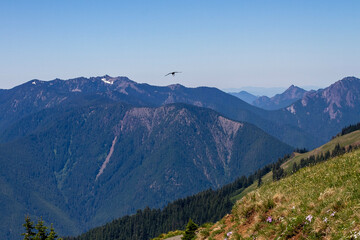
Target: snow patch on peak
107 81
34 83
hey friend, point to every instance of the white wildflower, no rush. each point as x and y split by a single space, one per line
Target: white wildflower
309 218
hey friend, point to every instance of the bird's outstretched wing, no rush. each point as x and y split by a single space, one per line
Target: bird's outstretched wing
172 73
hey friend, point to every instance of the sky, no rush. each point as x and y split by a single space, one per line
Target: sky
223 44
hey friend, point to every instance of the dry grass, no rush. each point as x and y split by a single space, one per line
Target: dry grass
318 202
344 141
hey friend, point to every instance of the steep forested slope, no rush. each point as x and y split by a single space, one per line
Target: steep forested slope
309 122
36 95
210 205
84 166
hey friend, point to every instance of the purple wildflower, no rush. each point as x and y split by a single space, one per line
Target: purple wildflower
309 218
229 234
269 219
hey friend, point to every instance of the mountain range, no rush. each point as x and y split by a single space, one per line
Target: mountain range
86 150
36 95
293 128
323 111
320 112
282 100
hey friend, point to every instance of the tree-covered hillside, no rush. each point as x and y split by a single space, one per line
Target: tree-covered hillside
207 206
36 95
81 167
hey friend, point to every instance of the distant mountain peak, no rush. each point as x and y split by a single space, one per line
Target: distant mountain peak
289 96
293 92
350 78
345 83
339 101
175 86
350 84
342 93
293 87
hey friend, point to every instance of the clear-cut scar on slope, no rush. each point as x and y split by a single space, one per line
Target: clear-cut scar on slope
103 166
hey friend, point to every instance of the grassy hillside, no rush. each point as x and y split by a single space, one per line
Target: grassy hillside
317 202
345 140
352 138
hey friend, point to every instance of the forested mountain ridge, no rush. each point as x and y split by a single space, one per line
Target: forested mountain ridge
81 167
36 95
326 110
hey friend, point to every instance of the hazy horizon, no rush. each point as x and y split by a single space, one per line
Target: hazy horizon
219 44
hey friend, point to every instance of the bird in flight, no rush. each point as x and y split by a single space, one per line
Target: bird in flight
172 73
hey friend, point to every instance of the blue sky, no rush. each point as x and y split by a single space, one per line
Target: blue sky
224 44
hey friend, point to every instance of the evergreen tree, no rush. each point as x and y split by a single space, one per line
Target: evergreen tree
259 181
29 227
42 233
295 167
191 227
327 155
52 235
42 230
278 172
